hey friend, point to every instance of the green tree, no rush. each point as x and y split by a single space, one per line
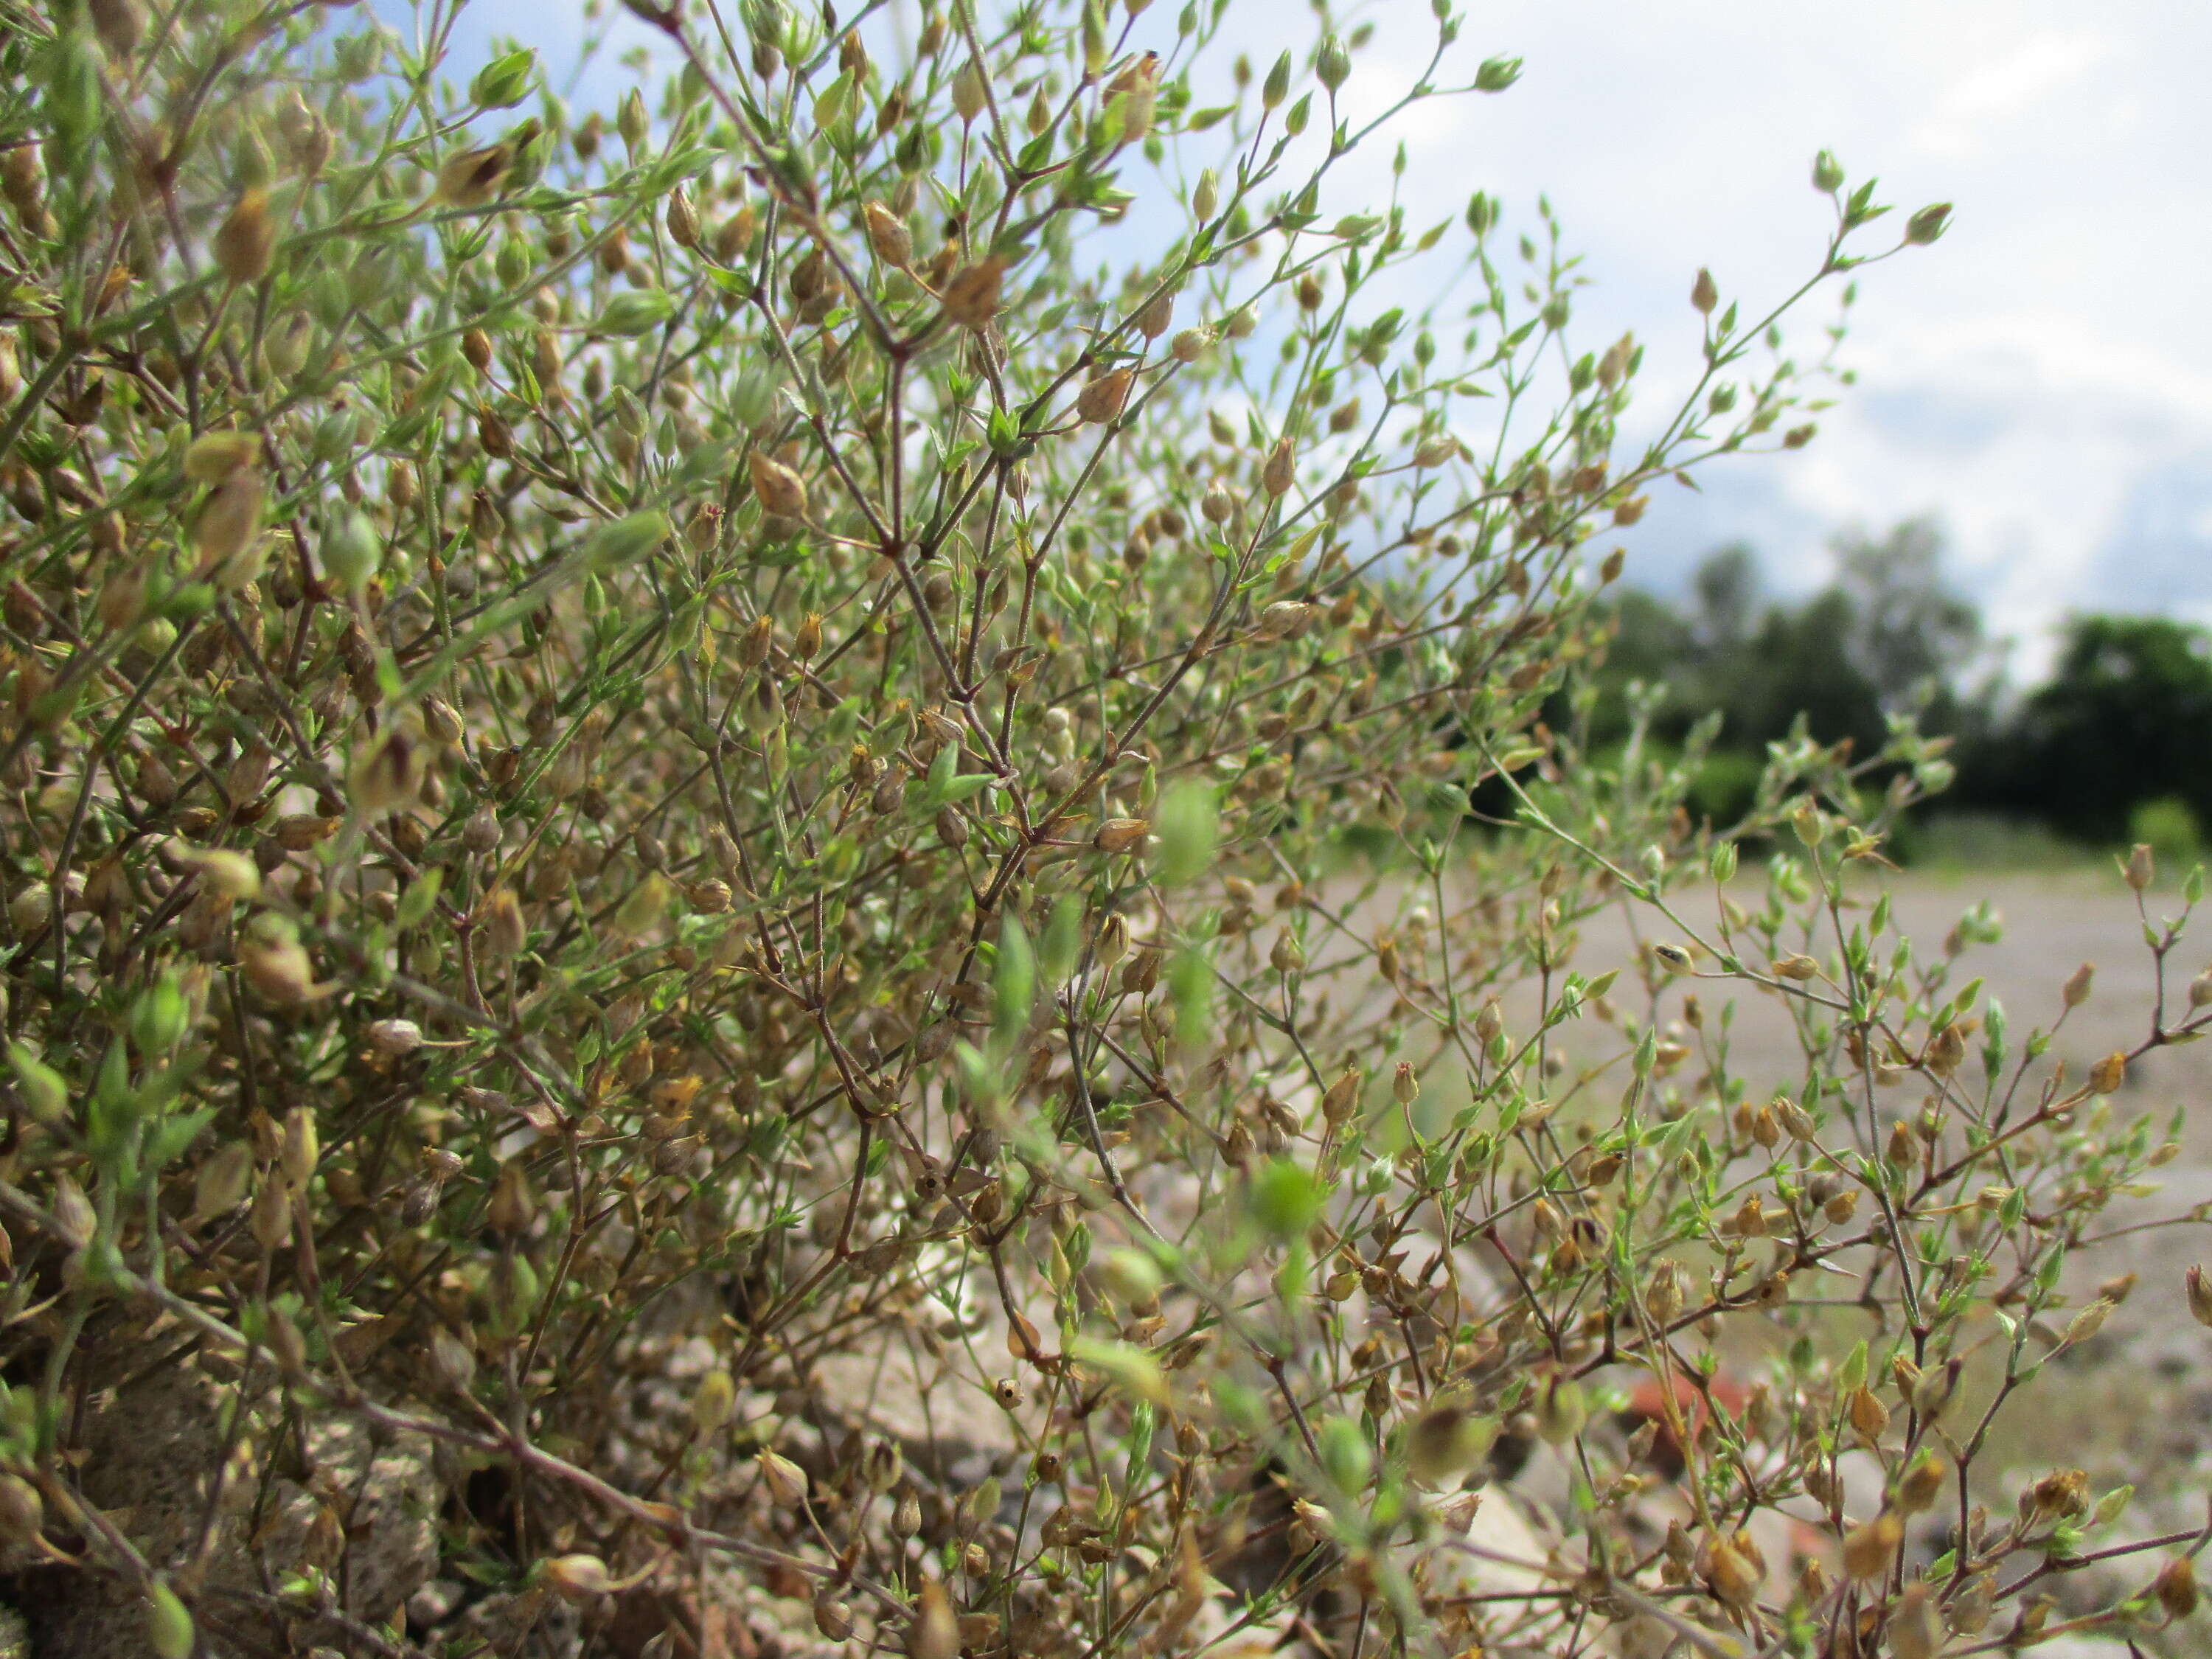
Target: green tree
2125 717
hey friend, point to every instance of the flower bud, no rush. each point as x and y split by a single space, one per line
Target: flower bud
1925 226
1704 293
2141 869
969 92
2199 1289
1333 65
2076 991
1206 195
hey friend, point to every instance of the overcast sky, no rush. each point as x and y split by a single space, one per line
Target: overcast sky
2041 380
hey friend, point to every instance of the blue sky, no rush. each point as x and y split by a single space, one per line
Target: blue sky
2041 380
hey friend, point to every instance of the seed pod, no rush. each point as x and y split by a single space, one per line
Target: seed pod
2108 1074
1922 1484
2199 1289
269 1221
884 1465
969 92
22 1511
227 529
1561 1410
1190 344
301 1149
971 298
394 1037
1970 1609
1729 1573
832 1617
472 177
1101 400
779 490
223 1182
577 1578
1915 1629
1870 1548
2141 869
1663 1297
715 1403
2076 991
2176 1587
504 928
1121 835
1280 472
1704 293
1868 1416
682 219
785 1480
888 237
169 1631
246 241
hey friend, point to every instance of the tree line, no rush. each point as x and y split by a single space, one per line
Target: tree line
2115 742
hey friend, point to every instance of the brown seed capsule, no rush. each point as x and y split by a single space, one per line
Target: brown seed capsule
2176 1587
682 219
1868 1416
2108 1074
1100 399
832 1617
246 241
1922 1483
935 1631
1280 472
1729 1573
472 177
578 1578
505 930
779 490
888 237
1870 1548
1121 835
970 299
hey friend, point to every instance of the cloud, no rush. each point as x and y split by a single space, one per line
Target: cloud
2020 82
